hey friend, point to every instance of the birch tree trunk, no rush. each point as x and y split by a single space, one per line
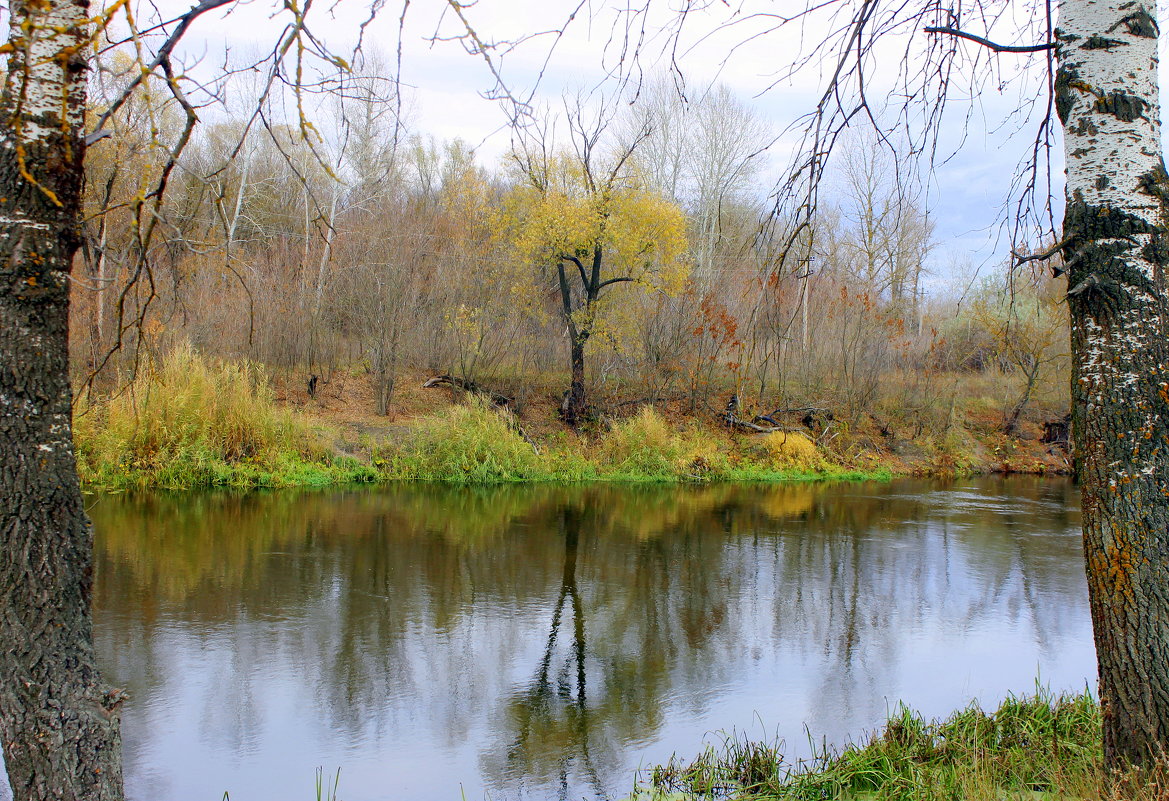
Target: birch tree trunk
1116 249
58 722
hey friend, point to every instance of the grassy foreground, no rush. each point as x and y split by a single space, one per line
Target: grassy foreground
190 422
1037 747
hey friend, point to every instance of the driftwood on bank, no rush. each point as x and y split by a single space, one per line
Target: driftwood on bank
732 420
515 424
811 416
498 398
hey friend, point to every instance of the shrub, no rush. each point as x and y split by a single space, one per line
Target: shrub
468 443
646 446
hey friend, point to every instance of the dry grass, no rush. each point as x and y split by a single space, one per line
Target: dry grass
195 413
647 446
190 421
790 450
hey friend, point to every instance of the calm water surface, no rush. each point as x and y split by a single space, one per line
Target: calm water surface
543 642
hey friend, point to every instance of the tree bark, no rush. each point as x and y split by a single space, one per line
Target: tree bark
1030 369
1117 249
58 722
575 405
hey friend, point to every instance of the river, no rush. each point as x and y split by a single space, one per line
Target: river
545 641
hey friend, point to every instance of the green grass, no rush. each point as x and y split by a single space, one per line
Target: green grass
469 443
475 443
1042 746
190 422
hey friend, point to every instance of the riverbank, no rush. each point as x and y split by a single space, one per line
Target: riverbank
1037 747
192 422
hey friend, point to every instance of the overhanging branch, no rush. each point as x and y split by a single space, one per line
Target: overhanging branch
998 48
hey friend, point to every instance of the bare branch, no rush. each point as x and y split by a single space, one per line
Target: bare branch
998 48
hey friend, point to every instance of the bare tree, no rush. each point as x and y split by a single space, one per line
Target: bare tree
888 232
705 152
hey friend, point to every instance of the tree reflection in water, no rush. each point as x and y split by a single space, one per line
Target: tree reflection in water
552 709
539 641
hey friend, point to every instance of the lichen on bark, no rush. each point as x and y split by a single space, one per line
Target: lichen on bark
1116 249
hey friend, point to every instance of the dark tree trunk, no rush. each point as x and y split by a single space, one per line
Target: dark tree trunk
384 385
1120 425
1031 371
58 722
1116 252
575 405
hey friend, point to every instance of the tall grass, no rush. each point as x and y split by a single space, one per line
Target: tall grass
646 446
1041 746
790 450
478 443
467 443
189 421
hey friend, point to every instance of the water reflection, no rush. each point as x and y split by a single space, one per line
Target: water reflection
544 641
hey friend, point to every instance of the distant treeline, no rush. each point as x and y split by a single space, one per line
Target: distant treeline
619 251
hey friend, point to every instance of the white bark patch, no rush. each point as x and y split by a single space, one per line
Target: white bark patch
18 406
44 34
1112 373
23 222
1107 158
1097 143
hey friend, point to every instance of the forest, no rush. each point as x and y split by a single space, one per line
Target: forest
620 255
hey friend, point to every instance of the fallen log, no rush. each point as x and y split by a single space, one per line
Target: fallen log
498 398
515 424
812 417
735 422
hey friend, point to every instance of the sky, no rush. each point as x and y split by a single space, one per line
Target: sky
444 85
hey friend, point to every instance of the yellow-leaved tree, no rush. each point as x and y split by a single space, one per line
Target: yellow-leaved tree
581 217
